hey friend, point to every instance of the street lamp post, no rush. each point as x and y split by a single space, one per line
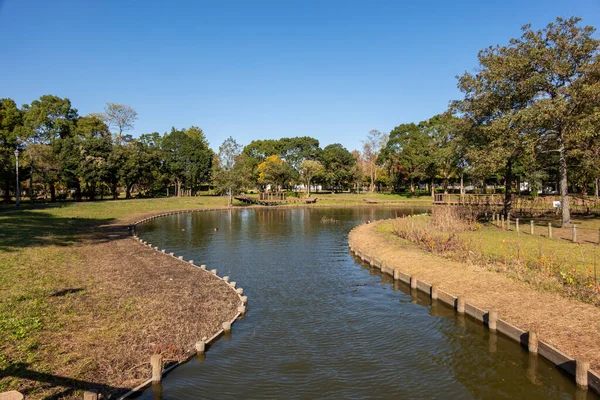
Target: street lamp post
17 171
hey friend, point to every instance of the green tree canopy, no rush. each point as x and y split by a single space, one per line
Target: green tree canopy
339 167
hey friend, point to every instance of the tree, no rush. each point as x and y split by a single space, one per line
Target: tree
309 169
154 177
532 96
408 154
188 159
372 147
291 150
11 121
274 171
297 149
446 132
50 120
94 150
340 166
228 173
566 84
120 116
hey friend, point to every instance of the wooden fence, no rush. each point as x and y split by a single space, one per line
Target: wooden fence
521 204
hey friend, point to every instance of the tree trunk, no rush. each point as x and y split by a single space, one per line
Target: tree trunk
596 194
564 194
31 193
508 188
113 189
52 192
372 185
432 188
412 187
128 191
7 189
78 192
92 191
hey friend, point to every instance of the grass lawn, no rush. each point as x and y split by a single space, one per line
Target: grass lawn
538 248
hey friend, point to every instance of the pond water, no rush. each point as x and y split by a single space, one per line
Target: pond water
321 325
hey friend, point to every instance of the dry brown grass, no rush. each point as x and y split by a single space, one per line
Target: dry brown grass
438 233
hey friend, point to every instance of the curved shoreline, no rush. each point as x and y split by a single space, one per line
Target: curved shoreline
243 300
374 248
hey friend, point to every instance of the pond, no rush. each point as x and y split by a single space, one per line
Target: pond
321 325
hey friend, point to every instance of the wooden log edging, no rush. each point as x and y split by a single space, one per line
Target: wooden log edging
549 352
200 345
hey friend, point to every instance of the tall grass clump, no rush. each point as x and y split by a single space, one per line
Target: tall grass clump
438 232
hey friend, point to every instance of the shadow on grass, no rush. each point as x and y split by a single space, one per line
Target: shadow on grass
64 292
67 386
29 228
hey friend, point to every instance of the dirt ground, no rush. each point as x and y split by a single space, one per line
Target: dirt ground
571 326
124 303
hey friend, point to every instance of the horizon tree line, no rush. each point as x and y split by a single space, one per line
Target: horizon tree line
530 113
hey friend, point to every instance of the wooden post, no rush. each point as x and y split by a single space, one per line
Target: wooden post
460 305
244 299
413 281
581 372
242 309
239 291
517 225
502 219
227 326
532 344
550 230
90 395
157 367
396 275
492 319
200 346
531 227
508 223
574 236
434 291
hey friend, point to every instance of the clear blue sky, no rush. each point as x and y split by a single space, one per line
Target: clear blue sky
259 69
